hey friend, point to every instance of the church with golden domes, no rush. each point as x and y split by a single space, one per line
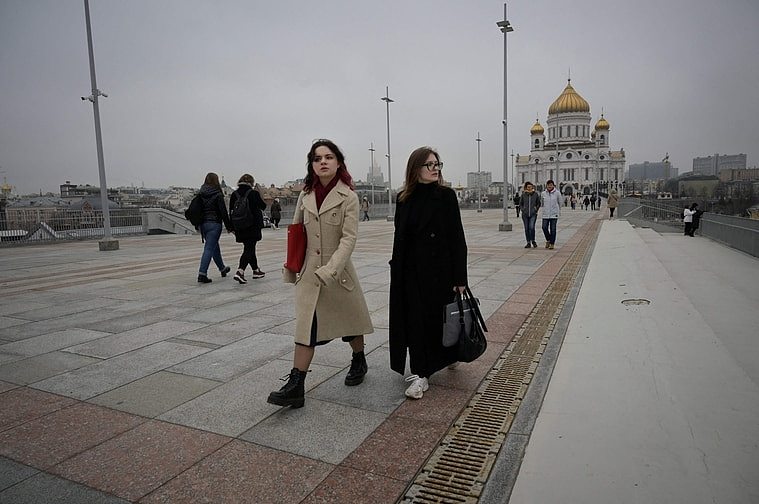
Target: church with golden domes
573 155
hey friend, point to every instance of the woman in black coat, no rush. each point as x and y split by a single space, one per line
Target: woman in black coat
427 268
247 232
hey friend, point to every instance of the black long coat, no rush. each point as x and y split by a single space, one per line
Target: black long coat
429 259
256 205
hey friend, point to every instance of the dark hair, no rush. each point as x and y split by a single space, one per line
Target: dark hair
247 179
549 181
213 180
414 165
694 206
528 183
342 169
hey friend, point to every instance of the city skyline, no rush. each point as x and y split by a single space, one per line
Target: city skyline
246 86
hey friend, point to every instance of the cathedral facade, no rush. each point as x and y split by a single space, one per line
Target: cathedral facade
577 158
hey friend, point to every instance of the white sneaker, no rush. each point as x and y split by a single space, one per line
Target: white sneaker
417 388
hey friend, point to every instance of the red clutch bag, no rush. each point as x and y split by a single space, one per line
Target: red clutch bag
296 247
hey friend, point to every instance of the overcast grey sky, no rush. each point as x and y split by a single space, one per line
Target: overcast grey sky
245 86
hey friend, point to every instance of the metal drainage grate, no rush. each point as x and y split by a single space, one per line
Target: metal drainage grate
457 470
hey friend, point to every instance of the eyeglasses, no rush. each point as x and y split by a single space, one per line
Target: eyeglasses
433 166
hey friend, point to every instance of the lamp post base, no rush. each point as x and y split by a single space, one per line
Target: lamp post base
107 245
479 210
504 226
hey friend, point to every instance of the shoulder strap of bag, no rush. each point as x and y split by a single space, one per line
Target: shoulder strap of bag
475 308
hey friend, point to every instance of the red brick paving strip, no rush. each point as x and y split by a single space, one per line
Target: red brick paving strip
346 485
24 404
53 438
140 460
243 472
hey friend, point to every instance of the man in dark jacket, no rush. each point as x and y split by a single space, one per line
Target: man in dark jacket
248 232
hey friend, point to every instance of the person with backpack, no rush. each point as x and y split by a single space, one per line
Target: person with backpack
276 213
214 214
245 206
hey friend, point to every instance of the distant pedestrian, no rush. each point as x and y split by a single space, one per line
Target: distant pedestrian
611 202
276 213
696 217
214 214
428 266
530 203
329 302
592 201
365 209
550 201
691 218
572 202
247 231
517 201
586 202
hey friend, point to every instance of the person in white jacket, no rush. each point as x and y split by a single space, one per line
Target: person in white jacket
550 202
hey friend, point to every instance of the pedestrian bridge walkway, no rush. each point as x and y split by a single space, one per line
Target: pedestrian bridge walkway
123 380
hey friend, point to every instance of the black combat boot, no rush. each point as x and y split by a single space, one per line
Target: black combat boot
291 394
358 369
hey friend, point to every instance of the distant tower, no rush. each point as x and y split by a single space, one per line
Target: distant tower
537 136
602 132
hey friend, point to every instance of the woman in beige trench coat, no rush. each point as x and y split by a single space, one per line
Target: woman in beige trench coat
329 302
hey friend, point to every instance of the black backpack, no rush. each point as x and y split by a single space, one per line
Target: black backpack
241 215
194 212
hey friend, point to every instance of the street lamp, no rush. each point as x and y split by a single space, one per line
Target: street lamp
108 243
371 170
479 179
505 27
388 101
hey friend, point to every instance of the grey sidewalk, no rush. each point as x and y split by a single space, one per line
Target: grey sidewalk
656 402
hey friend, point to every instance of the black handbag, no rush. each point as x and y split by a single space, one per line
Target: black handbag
470 326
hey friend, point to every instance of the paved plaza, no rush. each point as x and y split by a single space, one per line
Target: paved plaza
124 380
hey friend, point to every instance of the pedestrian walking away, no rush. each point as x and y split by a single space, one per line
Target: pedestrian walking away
691 218
611 202
586 203
593 202
428 266
551 201
696 217
517 201
214 214
329 302
530 203
365 209
276 213
245 214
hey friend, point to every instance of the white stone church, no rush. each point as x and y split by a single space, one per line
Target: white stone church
573 156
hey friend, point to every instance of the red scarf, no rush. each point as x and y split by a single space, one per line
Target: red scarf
321 192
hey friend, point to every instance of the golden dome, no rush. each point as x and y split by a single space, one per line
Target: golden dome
537 129
602 123
569 101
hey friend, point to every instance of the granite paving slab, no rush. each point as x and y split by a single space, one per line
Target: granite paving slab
381 391
6 321
62 309
133 320
238 405
321 430
222 333
41 367
11 472
441 404
6 386
14 306
46 488
101 377
225 476
220 313
48 440
239 357
117 344
155 394
31 329
288 328
23 404
45 343
357 487
398 448
338 354
140 460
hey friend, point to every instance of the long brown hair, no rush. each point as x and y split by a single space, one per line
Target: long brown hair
413 167
342 169
213 180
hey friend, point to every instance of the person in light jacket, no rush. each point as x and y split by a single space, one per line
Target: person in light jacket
329 302
530 203
611 202
428 266
551 201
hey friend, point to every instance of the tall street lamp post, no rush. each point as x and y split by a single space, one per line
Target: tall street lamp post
107 243
388 101
479 179
505 27
371 170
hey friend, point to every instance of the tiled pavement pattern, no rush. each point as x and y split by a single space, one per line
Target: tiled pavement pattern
123 380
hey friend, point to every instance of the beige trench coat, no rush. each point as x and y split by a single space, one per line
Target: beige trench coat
328 284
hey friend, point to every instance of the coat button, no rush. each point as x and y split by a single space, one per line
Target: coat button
344 280
316 219
318 251
317 235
